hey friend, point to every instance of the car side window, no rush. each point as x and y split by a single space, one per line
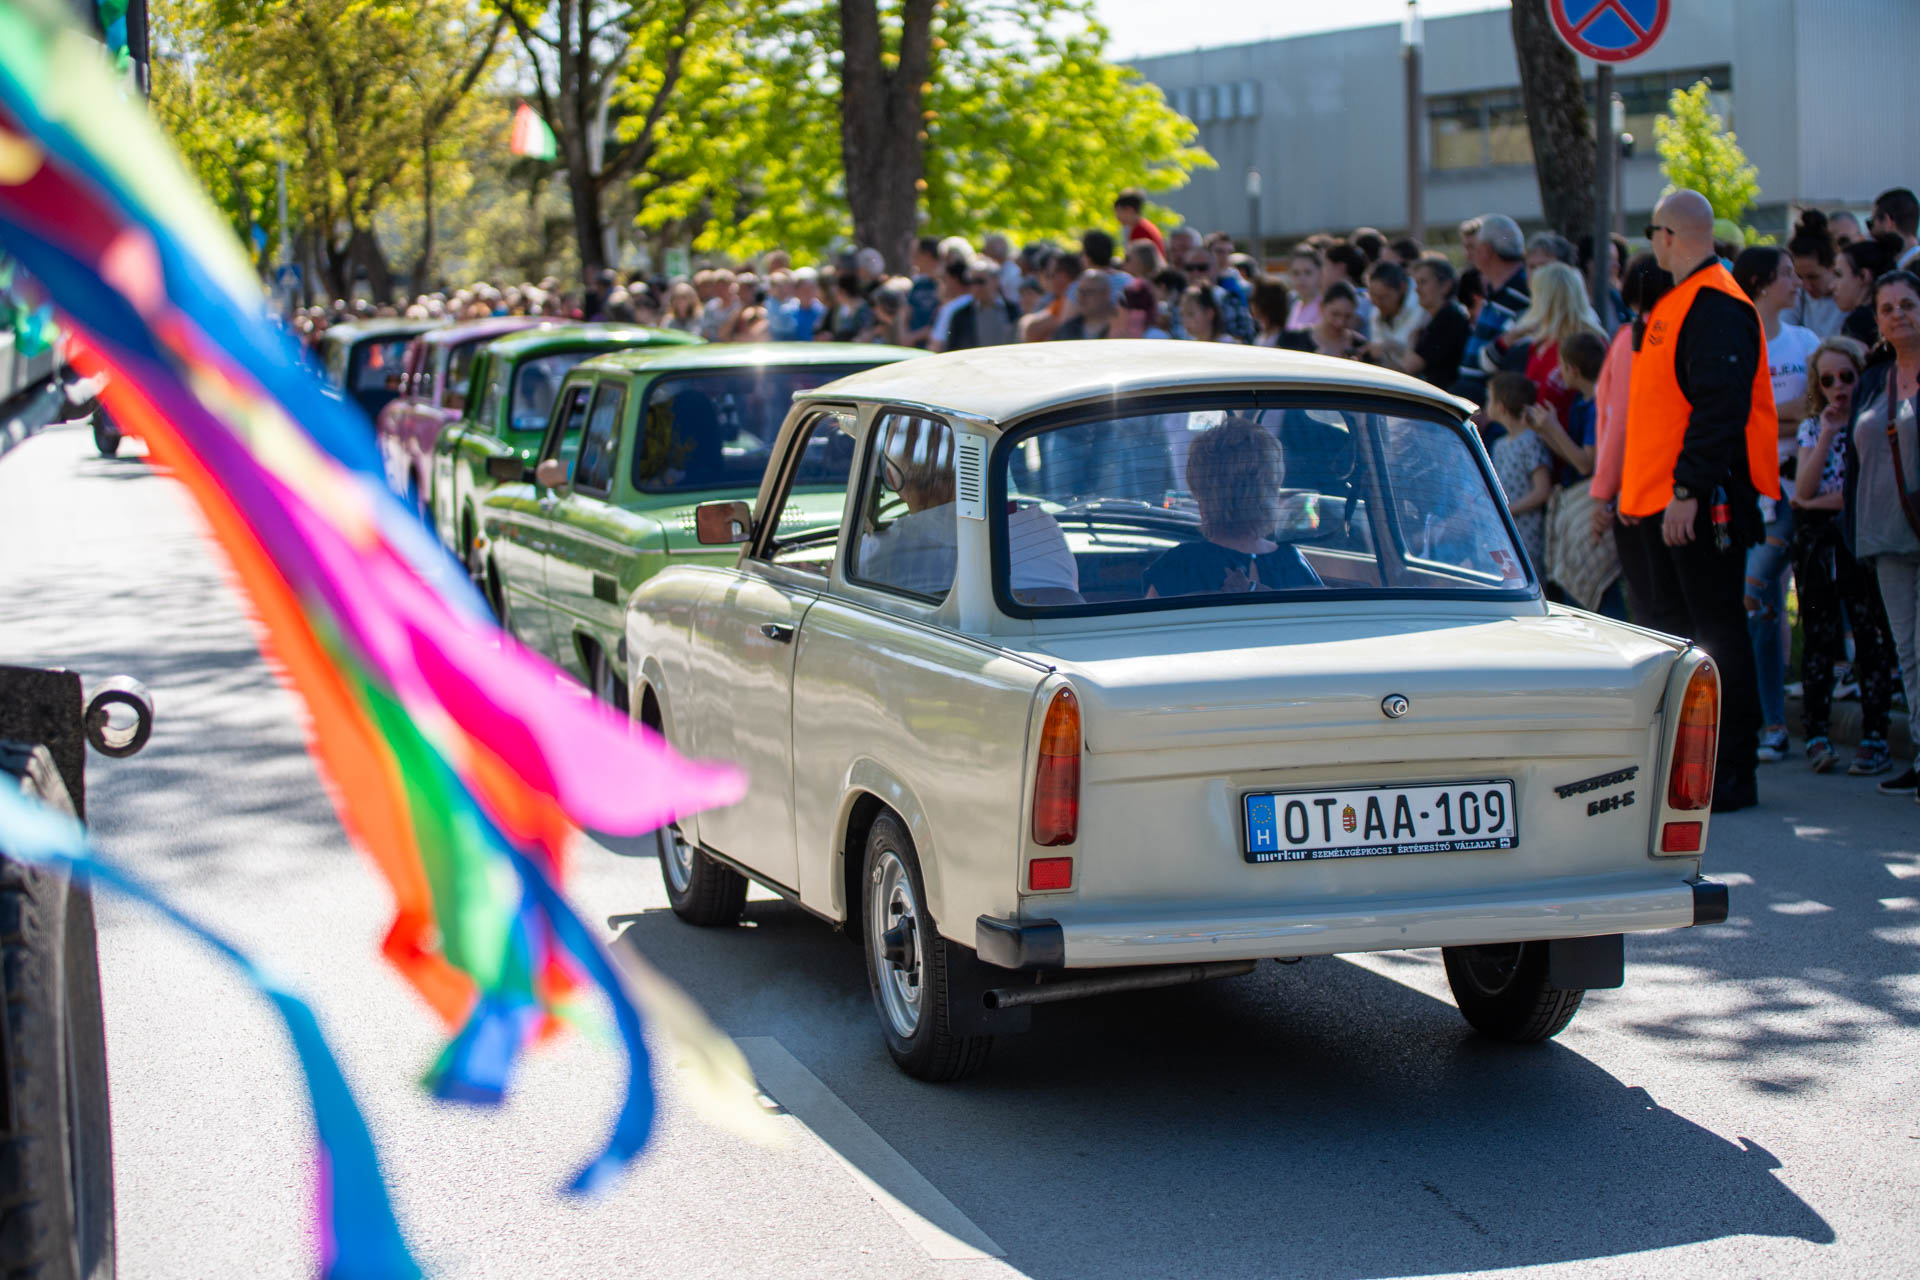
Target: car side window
593 468
907 532
496 391
813 495
569 419
453 391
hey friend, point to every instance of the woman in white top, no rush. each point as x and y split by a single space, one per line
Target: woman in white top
1766 275
1396 317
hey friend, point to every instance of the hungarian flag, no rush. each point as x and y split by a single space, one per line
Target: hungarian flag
530 136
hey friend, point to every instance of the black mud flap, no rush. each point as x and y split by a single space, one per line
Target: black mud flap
969 979
1586 964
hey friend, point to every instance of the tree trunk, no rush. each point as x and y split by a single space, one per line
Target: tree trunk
1557 120
881 124
423 265
589 222
366 253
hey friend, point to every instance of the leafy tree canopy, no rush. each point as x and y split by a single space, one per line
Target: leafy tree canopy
1698 152
1028 129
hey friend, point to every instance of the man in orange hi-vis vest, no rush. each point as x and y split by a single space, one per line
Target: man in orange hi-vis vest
1701 433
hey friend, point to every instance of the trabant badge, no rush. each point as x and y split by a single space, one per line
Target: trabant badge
1395 705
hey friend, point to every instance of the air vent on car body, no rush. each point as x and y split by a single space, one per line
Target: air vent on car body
970 474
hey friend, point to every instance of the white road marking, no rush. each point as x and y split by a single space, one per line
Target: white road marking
934 1222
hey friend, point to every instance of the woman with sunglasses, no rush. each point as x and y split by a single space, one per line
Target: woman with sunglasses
1881 460
1826 575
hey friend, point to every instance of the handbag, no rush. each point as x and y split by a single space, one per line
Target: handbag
1893 444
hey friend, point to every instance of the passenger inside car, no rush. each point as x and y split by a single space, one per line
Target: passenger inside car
1234 473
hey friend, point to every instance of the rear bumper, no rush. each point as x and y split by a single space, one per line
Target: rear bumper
1108 939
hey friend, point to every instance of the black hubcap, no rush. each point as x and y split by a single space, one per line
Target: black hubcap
896 945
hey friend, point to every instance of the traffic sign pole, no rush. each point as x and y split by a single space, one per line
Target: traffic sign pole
1606 154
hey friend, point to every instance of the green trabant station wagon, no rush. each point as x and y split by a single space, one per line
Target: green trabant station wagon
506 406
635 441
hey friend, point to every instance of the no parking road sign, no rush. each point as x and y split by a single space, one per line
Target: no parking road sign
1609 30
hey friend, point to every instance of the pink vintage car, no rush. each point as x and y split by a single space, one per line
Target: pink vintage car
432 387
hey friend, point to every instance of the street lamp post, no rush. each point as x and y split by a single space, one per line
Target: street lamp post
1253 216
1412 36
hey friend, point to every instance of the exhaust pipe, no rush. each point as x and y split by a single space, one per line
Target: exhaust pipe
1174 975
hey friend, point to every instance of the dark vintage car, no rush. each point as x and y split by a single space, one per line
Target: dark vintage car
361 360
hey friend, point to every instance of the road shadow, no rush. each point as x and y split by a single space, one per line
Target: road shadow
1313 1119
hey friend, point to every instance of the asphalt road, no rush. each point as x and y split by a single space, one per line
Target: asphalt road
1745 1106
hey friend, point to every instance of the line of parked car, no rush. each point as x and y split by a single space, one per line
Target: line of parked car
1075 668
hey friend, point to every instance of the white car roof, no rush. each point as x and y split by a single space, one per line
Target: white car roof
1000 384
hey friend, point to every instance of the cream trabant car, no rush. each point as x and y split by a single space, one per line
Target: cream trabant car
1132 663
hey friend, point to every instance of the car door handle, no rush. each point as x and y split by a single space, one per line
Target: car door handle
777 631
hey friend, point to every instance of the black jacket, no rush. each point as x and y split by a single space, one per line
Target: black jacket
1716 356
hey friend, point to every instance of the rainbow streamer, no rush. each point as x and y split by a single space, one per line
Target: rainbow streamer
456 760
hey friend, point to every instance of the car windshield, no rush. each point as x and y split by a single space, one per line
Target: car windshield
1238 497
374 361
716 430
535 384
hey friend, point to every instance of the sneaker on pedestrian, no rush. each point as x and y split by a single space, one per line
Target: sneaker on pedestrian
1901 784
1773 746
1870 758
1844 685
1820 755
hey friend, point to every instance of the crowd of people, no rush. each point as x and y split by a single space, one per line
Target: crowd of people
1826 323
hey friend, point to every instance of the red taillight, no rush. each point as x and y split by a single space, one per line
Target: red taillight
1044 874
1680 837
1056 782
1690 776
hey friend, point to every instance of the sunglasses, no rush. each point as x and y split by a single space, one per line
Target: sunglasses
1654 226
981 280
1204 265
1841 379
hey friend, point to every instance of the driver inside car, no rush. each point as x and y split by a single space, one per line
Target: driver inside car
915 552
1234 472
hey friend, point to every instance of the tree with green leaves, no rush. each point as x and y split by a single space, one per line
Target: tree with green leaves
1698 152
874 119
358 93
608 78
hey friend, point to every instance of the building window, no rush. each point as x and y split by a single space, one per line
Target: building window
1474 130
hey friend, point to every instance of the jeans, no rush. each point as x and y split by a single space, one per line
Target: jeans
1828 578
1900 592
1766 614
1694 590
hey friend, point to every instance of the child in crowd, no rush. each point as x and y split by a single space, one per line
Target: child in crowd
1521 461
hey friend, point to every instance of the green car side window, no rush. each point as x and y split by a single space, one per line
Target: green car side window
494 395
593 468
563 437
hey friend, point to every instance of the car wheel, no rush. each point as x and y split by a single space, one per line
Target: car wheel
496 594
607 685
1503 993
700 889
56 1157
106 436
470 554
907 963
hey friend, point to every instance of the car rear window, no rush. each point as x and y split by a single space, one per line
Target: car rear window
374 361
706 431
1229 499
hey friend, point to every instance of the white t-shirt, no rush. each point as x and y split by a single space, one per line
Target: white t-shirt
1787 353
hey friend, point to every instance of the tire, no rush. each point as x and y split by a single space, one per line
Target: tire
106 437
496 595
700 889
1502 992
56 1149
470 553
607 685
913 999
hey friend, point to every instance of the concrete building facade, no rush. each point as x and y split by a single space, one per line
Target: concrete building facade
1822 95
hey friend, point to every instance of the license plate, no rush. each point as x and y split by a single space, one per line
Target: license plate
1359 822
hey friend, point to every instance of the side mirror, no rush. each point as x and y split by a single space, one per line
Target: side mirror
509 469
550 474
720 524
